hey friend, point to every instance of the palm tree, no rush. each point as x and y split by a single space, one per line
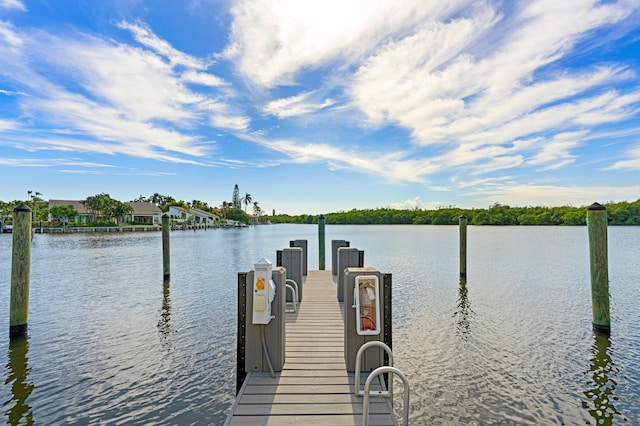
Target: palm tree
247 200
256 211
225 207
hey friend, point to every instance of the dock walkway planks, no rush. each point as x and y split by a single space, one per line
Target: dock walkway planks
314 387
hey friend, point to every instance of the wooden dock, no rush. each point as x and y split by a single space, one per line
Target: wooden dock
314 387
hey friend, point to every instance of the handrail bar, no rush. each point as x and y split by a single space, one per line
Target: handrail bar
367 389
295 284
294 297
364 347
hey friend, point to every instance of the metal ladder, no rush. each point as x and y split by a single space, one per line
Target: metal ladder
292 286
367 392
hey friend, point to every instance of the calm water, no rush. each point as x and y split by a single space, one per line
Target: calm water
110 344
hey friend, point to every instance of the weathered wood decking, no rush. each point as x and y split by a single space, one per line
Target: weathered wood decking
314 387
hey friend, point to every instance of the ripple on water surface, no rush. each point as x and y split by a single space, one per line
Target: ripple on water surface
110 343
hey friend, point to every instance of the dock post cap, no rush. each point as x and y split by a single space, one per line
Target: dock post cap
22 208
262 264
165 215
463 216
596 206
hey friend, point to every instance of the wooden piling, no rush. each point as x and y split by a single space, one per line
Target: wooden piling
20 272
463 246
166 253
597 229
321 262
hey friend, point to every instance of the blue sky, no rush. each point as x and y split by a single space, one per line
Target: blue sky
321 106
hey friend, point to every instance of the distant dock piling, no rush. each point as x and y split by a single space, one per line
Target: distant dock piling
463 246
166 252
597 229
20 272
321 258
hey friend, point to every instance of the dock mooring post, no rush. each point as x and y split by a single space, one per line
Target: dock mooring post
463 246
166 252
20 272
321 262
597 229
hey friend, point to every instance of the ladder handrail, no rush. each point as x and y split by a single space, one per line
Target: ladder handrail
295 284
367 389
294 296
363 348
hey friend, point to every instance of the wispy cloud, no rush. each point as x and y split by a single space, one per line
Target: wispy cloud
469 76
527 195
12 93
632 161
13 5
272 41
128 100
296 105
455 95
146 37
394 166
463 98
556 153
7 125
202 78
51 162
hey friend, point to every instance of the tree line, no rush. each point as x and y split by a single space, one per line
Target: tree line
622 213
102 206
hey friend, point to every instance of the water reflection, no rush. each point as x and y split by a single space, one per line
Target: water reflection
17 367
463 312
164 324
601 383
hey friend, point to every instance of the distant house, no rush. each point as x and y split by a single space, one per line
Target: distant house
180 214
82 216
147 213
193 215
205 217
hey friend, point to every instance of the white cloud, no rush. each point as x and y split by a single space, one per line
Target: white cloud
239 123
202 78
126 100
473 78
13 5
7 125
411 203
12 40
136 82
50 162
271 41
480 88
146 37
556 153
12 93
632 161
417 203
392 166
296 105
552 195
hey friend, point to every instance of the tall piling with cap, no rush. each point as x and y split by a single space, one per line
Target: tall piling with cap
321 262
599 265
463 246
20 271
166 252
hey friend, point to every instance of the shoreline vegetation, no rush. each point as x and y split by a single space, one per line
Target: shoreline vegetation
622 213
618 214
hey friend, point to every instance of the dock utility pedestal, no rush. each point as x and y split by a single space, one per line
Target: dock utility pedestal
367 316
261 320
